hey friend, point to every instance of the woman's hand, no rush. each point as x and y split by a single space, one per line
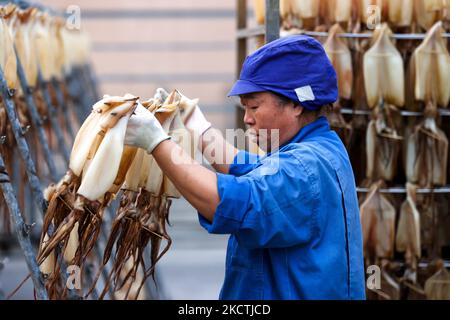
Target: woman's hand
144 130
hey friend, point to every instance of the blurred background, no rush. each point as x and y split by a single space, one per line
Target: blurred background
136 47
140 45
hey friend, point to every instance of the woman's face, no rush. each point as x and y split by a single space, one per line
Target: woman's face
271 123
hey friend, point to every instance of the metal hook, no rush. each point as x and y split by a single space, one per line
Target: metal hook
2 139
25 130
11 92
26 228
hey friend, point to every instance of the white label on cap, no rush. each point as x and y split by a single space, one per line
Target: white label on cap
305 94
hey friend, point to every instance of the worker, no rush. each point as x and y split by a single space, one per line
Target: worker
292 214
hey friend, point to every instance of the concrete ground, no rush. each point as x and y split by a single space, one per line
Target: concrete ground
193 269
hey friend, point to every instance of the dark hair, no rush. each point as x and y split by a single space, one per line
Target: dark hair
283 100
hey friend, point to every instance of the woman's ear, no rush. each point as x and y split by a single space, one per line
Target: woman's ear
298 110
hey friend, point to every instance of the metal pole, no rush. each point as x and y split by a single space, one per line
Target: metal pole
23 231
53 118
241 45
22 145
272 20
37 121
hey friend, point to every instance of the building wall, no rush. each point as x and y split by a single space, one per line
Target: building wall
139 45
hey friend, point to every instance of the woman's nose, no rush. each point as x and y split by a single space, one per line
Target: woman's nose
248 119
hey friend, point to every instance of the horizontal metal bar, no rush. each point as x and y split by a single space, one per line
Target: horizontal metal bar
426 264
250 32
398 36
442 112
259 31
422 264
401 190
356 112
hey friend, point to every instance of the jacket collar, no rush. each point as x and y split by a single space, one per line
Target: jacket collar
312 129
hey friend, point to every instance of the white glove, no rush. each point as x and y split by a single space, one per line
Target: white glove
144 130
197 122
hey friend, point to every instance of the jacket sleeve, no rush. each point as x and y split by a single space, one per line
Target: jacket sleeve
271 207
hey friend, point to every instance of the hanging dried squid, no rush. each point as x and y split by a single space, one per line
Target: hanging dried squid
408 232
43 44
43 57
131 288
286 12
145 203
430 69
437 287
24 44
378 225
337 11
401 12
11 22
372 12
260 11
383 71
8 65
428 12
8 60
26 20
12 15
341 58
383 145
98 164
307 11
427 152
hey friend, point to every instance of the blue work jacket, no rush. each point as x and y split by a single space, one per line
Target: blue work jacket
294 221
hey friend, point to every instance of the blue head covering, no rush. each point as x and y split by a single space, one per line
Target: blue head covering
296 67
